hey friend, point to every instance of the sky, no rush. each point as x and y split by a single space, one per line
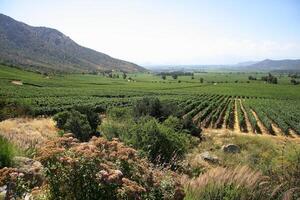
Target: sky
168 32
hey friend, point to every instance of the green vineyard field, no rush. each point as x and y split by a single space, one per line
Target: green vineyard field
261 108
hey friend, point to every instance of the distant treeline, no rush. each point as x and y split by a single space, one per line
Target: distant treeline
178 73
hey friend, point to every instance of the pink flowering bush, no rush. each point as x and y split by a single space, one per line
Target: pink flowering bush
101 169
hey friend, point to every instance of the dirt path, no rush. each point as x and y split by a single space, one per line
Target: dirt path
17 82
276 129
293 134
236 126
263 129
248 124
195 118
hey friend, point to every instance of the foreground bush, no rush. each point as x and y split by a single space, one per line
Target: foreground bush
159 142
102 169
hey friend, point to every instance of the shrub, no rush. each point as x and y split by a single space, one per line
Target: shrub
61 119
118 113
174 123
183 125
113 129
6 153
191 127
102 169
83 122
92 117
147 106
12 109
78 124
155 108
153 138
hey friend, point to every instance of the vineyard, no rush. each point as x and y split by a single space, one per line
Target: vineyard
252 107
256 116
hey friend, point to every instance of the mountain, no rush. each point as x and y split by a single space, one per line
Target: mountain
247 63
46 49
275 65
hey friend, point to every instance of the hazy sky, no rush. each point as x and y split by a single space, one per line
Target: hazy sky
172 31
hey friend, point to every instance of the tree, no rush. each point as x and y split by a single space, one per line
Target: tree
163 77
175 76
270 79
124 75
192 77
294 82
201 80
251 78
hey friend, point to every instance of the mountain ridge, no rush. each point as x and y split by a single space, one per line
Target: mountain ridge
46 49
274 65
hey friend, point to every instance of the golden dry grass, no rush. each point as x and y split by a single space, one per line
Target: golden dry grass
27 132
241 176
246 181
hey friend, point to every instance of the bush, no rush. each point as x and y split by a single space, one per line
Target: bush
102 169
83 122
6 153
12 109
185 125
191 127
92 117
147 106
154 108
61 119
118 113
78 124
153 138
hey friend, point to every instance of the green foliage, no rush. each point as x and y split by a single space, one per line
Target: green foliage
12 109
151 137
78 125
147 106
118 113
74 122
82 121
154 107
270 79
190 127
92 117
7 153
61 119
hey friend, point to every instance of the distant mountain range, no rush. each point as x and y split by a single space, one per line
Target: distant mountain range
251 66
274 65
45 49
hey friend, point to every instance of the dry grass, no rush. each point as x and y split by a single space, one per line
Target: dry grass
237 183
26 132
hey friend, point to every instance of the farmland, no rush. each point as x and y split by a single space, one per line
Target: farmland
223 100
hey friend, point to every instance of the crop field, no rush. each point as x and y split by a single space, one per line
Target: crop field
222 101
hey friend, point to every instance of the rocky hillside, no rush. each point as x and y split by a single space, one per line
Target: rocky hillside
45 49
